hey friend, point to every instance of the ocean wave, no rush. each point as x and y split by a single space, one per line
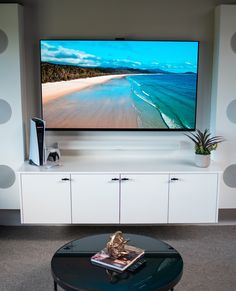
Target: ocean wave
133 81
145 93
145 100
170 122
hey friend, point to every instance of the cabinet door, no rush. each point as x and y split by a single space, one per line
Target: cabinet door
45 198
144 198
193 198
95 198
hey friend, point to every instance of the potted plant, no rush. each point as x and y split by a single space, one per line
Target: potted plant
204 144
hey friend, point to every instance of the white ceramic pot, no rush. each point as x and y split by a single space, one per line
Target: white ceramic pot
202 161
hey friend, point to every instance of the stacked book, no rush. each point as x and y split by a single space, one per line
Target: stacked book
120 264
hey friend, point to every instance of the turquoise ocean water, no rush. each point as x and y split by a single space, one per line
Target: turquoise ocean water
170 98
173 95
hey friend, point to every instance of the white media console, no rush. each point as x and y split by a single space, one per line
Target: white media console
116 190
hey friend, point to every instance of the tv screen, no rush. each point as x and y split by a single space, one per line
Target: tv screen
120 84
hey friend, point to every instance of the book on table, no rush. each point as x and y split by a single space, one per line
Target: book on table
120 264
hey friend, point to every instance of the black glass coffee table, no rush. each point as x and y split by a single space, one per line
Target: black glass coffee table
72 269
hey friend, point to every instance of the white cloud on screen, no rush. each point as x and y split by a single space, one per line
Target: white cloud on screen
67 56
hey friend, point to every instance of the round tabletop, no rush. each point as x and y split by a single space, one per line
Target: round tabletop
72 269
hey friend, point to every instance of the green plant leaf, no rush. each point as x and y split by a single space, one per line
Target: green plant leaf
204 144
193 138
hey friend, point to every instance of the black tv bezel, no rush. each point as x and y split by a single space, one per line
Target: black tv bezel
122 129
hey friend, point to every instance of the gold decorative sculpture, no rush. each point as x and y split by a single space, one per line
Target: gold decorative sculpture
116 245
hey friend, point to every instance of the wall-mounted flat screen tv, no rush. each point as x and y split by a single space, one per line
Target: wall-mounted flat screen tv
119 84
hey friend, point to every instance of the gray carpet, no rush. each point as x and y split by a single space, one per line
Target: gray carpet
209 254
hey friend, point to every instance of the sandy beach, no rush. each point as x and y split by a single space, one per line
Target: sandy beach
68 105
54 90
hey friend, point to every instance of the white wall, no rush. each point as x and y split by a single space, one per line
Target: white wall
149 19
223 93
11 130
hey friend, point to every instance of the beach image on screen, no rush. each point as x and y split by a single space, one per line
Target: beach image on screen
119 84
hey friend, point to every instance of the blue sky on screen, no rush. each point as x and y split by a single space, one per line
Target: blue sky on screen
172 56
